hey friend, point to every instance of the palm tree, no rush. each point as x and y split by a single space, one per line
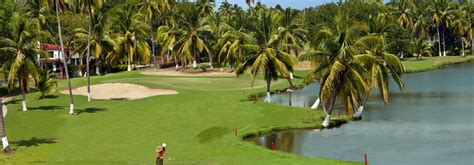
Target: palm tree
151 11
267 55
91 5
292 31
405 8
192 34
386 64
232 50
340 71
45 82
461 26
71 97
441 10
421 27
166 37
420 48
132 29
22 50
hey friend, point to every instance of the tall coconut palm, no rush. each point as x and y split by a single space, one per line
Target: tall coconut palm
441 10
21 48
91 6
461 27
421 27
192 38
340 70
385 66
267 55
232 50
292 31
133 32
151 11
405 9
71 97
166 37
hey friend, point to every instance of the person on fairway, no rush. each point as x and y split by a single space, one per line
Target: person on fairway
160 152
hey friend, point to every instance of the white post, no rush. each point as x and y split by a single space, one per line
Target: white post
5 142
268 98
291 75
316 104
359 111
177 66
71 109
327 120
23 102
89 96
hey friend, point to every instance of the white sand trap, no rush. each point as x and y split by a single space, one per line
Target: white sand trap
119 91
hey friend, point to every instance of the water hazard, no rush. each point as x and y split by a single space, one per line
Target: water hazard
432 122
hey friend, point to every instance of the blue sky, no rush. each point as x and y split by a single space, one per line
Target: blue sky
298 4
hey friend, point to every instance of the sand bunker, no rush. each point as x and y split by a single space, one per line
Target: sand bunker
189 72
119 91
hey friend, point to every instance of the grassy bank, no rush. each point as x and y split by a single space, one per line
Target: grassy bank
198 124
432 63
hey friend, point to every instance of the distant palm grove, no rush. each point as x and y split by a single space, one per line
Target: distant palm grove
356 46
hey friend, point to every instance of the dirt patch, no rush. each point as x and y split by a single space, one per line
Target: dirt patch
119 91
189 72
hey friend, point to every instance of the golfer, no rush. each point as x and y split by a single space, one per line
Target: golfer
160 152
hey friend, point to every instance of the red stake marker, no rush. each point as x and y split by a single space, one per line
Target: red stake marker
273 146
366 160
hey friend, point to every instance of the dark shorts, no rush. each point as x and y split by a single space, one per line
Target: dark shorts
159 161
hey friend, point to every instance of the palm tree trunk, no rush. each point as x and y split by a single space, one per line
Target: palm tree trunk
23 100
130 51
71 108
23 92
328 105
439 41
444 42
89 54
3 133
268 98
194 56
176 62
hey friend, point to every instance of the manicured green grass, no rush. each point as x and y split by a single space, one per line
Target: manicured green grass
432 63
197 124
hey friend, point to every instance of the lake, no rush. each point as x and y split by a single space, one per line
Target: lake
431 122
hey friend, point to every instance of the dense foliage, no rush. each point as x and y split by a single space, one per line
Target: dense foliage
356 45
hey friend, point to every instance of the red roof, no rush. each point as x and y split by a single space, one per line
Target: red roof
50 47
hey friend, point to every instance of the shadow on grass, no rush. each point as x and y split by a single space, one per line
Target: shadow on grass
90 110
47 107
50 97
34 142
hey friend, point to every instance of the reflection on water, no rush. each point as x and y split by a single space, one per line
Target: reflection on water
432 122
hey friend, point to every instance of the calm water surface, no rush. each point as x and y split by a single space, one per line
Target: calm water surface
432 122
